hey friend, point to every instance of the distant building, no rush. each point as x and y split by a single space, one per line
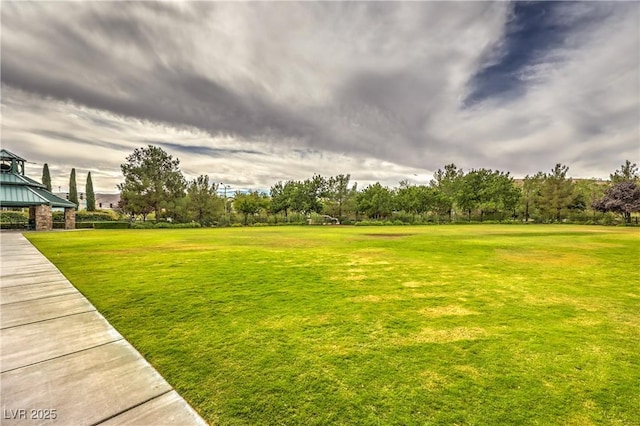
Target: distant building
103 201
107 201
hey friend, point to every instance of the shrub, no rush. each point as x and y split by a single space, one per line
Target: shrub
95 216
162 225
184 225
404 217
14 216
108 225
84 225
142 225
13 225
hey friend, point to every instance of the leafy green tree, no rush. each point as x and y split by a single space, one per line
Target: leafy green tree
153 181
406 198
487 191
281 197
531 194
626 172
307 196
91 196
426 199
203 202
134 204
46 177
585 193
469 189
502 195
298 197
446 182
622 198
73 189
415 199
376 201
338 193
175 209
556 193
249 203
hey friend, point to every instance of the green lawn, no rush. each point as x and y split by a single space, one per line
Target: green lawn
477 324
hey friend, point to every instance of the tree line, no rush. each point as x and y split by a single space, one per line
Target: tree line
154 186
73 187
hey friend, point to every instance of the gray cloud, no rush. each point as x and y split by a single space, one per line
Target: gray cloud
356 80
201 150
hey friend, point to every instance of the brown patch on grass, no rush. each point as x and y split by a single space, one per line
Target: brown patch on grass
588 246
440 311
469 370
376 298
579 420
421 295
354 277
414 284
544 257
551 299
368 262
432 380
368 257
352 274
280 323
389 235
430 335
583 321
335 349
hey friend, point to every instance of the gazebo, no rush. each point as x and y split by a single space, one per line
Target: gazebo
18 190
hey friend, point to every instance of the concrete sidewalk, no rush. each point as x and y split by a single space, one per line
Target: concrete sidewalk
62 363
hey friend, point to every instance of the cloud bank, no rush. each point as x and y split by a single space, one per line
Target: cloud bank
252 93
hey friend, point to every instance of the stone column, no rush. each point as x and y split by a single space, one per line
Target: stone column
69 218
32 218
44 220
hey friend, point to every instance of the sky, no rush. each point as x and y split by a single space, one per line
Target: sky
251 93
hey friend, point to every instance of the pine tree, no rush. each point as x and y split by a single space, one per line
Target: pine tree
46 177
91 196
73 189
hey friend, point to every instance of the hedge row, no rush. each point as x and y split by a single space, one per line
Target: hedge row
163 225
85 216
13 216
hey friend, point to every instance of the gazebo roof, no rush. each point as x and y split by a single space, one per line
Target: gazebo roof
17 190
5 154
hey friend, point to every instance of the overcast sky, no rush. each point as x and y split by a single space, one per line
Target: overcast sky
253 93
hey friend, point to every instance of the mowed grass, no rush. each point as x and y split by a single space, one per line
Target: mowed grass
480 324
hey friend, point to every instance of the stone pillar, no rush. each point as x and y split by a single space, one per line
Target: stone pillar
69 218
32 218
44 220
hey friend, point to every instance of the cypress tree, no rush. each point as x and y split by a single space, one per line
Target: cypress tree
91 196
73 189
46 177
